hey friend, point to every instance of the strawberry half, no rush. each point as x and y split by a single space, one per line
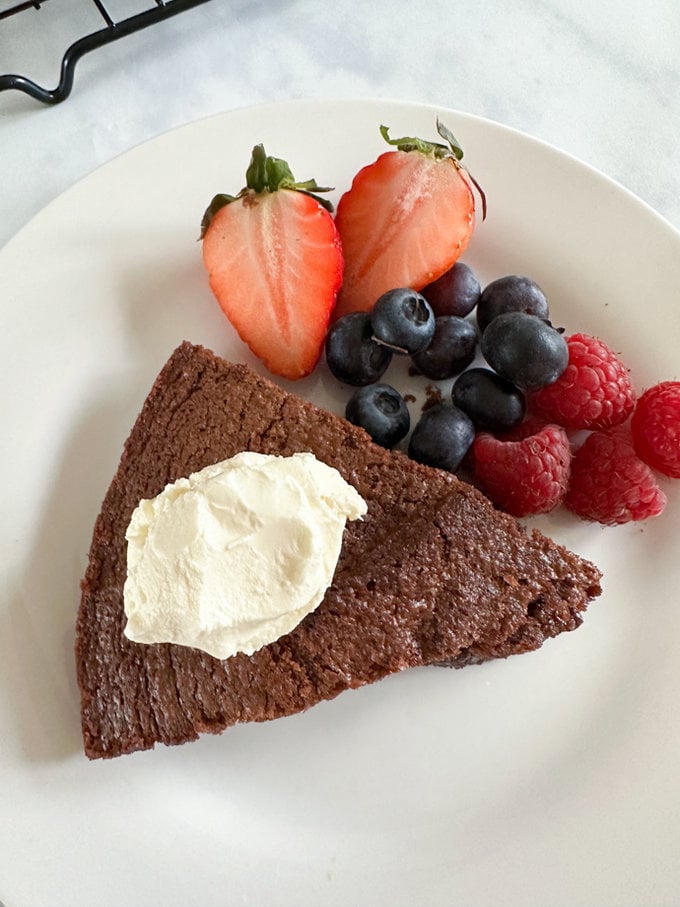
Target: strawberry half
405 220
274 262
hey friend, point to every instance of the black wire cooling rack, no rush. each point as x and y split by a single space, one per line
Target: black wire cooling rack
112 30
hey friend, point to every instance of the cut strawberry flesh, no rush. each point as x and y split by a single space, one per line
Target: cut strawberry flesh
275 266
404 222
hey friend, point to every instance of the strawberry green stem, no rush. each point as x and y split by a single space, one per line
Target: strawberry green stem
266 174
435 149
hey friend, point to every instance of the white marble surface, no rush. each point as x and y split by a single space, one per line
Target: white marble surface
600 80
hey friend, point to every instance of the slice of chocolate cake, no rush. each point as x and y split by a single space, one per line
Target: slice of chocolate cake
433 574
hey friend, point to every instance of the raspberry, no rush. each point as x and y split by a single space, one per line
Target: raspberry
609 483
525 472
656 428
594 391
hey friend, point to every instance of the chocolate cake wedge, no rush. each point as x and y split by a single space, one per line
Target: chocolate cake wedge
433 574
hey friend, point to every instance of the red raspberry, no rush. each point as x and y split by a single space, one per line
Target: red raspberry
656 428
527 471
594 391
609 482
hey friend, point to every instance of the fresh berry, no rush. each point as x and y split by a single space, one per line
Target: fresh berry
609 483
456 292
405 220
493 404
381 411
403 320
526 472
656 427
274 261
524 349
451 349
511 294
352 354
442 437
594 391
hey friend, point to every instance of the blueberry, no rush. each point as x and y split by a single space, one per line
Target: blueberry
403 320
511 294
451 349
352 355
381 411
524 349
492 403
456 292
442 437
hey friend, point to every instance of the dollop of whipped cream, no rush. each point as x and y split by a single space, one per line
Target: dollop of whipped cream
235 556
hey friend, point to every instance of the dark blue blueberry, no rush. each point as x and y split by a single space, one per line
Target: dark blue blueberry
456 292
524 349
381 411
511 294
442 437
492 403
451 349
351 354
403 320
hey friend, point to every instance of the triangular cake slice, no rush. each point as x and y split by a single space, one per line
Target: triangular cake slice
433 573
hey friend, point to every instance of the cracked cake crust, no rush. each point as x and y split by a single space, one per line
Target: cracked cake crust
432 575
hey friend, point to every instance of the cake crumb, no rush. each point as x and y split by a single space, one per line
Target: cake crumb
433 397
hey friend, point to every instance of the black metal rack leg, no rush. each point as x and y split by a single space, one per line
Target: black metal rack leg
164 9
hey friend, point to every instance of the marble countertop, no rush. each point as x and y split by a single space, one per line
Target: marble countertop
598 81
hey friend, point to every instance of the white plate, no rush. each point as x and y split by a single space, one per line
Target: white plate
547 779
